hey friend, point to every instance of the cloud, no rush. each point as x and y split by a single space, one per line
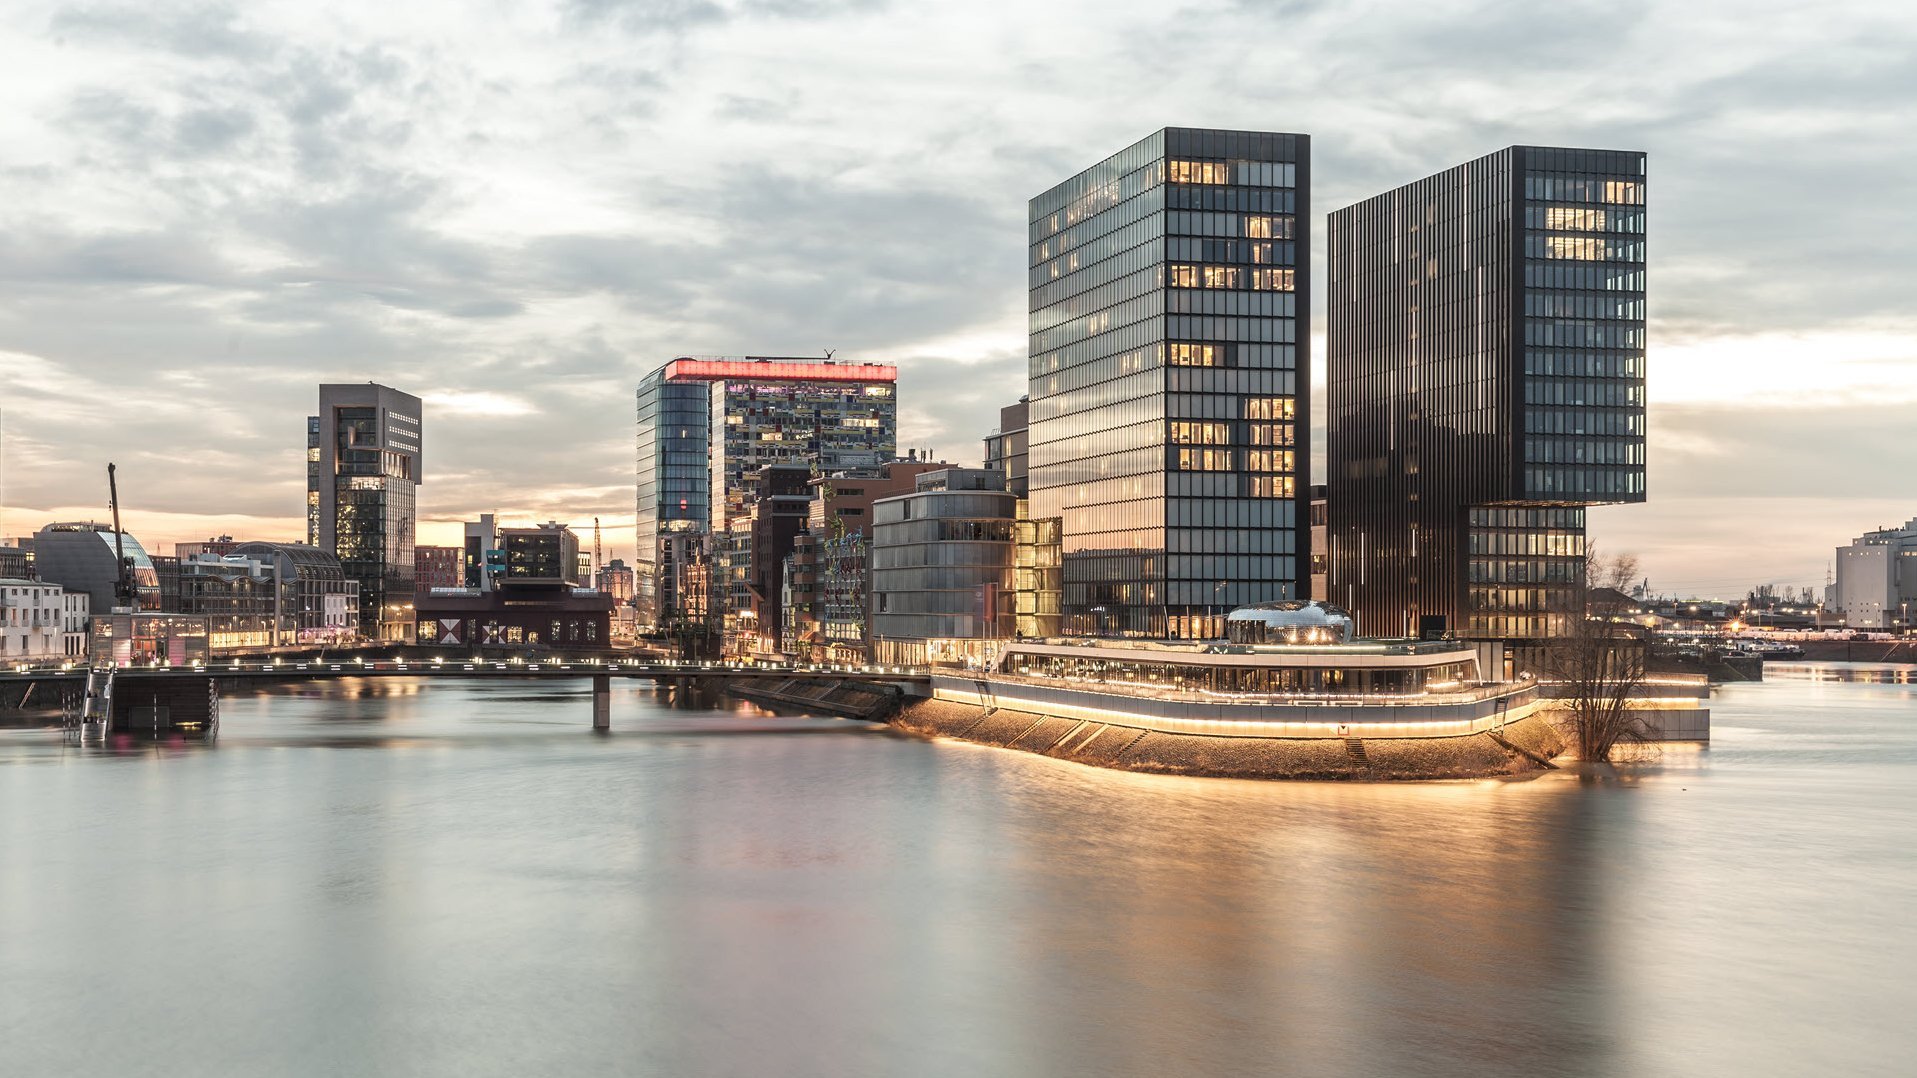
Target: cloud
209 208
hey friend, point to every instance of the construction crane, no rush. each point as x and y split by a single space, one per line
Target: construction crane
597 552
123 593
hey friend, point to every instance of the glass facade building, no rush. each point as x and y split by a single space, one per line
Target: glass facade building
705 425
1166 389
363 470
942 560
1486 384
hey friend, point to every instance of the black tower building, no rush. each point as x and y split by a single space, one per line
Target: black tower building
1486 384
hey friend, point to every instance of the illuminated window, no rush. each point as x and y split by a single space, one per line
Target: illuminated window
1187 433
1574 219
1197 172
1221 277
1271 486
1267 227
1268 460
1270 408
1181 276
1193 355
1271 434
1272 280
1585 248
1204 460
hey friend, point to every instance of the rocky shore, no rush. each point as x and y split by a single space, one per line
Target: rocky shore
1515 750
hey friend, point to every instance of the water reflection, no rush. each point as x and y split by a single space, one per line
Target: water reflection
484 887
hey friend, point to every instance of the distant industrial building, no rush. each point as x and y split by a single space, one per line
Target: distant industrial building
705 425
1876 585
363 470
1486 384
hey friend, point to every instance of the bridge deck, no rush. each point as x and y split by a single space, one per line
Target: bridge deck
255 670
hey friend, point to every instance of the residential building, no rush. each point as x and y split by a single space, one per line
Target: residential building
841 503
844 611
438 567
363 470
1486 384
941 576
1166 385
36 619
85 557
76 611
799 614
1876 586
777 505
825 615
706 424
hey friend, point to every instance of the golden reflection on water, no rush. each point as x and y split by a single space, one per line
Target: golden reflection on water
1323 925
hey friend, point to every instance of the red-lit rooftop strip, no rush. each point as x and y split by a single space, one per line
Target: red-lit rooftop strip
778 370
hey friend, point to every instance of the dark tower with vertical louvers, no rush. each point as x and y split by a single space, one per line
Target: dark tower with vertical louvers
1486 384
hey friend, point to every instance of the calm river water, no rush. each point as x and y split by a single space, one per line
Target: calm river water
461 879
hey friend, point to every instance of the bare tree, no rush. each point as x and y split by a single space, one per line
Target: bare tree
1598 660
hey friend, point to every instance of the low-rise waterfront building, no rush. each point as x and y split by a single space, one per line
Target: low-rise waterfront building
319 603
40 621
941 577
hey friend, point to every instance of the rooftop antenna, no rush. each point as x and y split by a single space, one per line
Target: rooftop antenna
829 353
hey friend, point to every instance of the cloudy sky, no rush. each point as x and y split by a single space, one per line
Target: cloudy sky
515 209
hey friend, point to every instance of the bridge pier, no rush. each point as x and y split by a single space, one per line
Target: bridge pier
602 701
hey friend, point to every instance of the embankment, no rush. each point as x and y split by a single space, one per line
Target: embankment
1130 748
846 699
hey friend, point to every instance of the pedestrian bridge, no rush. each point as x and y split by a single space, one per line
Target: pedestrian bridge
96 699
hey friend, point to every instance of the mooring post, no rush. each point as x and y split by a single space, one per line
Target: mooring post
602 701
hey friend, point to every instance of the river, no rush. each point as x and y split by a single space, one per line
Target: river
390 878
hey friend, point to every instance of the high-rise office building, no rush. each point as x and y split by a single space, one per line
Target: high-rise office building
1169 306
705 425
1486 347
362 482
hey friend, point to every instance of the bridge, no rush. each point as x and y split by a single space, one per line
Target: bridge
187 697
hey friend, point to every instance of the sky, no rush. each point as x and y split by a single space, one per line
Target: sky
515 210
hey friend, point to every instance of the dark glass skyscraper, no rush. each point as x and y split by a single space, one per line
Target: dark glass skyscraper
1486 384
1166 391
